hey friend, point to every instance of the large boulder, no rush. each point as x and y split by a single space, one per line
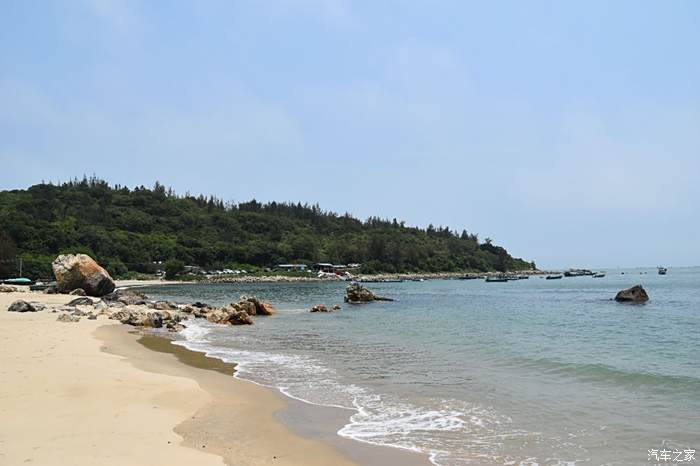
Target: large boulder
636 294
74 271
356 293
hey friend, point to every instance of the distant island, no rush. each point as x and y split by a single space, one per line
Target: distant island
133 231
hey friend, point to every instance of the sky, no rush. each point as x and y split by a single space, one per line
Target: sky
569 132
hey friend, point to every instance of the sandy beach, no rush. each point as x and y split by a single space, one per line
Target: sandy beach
96 393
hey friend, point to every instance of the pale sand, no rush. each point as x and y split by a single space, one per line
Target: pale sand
88 393
66 400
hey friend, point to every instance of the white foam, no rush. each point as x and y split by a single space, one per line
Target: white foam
443 432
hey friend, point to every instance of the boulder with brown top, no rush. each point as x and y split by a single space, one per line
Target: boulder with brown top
74 271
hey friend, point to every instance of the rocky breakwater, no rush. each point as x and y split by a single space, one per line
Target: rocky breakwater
357 294
132 307
80 271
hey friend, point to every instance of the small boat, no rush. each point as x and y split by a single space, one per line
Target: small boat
496 279
599 275
523 277
663 270
468 277
18 281
554 277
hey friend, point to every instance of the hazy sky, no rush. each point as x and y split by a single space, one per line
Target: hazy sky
569 132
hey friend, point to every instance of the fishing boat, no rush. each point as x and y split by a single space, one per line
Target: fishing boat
663 270
554 277
498 279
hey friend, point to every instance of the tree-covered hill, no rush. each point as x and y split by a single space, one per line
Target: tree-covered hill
127 229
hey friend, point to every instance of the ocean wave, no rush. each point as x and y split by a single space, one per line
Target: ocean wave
447 431
597 372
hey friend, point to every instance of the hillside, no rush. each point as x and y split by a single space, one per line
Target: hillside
127 229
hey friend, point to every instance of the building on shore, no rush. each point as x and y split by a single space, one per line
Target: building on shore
291 267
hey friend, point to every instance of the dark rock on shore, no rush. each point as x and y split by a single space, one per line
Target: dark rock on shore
356 293
636 294
24 306
82 301
78 292
81 271
126 297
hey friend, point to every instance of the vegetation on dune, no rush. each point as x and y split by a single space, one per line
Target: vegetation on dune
126 230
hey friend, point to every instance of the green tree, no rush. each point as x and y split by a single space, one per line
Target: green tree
173 267
8 253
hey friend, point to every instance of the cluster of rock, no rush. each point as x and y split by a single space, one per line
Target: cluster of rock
322 308
132 307
356 294
8 289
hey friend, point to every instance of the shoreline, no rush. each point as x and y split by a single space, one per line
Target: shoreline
312 278
112 386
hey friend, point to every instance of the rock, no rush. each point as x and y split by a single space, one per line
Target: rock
100 305
636 294
319 308
68 318
164 305
24 306
81 271
336 307
51 290
78 292
356 293
138 316
174 327
79 313
229 315
82 301
254 307
127 297
64 308
91 316
7 289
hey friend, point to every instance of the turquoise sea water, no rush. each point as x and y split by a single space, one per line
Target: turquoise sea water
547 372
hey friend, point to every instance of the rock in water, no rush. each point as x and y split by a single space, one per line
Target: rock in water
319 308
636 294
356 293
81 271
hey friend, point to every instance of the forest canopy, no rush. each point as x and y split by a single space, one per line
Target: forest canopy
128 229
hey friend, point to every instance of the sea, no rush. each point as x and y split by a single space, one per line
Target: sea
528 372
